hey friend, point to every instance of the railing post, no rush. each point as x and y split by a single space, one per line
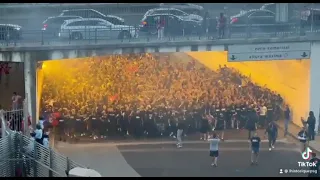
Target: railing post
50 162
68 165
34 158
95 36
25 118
3 124
42 41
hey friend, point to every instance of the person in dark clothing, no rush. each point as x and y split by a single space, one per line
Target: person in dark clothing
272 132
251 123
316 168
206 23
221 25
255 148
204 127
286 120
311 125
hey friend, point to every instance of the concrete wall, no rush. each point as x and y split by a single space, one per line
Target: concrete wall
315 81
13 82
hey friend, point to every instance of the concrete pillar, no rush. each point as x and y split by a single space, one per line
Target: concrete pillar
282 12
314 81
30 66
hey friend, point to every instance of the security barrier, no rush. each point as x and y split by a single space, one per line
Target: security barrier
21 156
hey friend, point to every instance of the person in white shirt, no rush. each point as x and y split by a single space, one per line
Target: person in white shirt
262 116
38 134
214 148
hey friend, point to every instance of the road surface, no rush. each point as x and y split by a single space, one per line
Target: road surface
155 158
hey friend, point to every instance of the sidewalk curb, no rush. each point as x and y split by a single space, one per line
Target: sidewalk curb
294 136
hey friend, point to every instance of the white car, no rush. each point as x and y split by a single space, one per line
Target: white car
186 7
173 11
95 28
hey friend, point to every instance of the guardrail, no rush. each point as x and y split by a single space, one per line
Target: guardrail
21 156
89 36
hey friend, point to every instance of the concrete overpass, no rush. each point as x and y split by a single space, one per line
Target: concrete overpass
33 54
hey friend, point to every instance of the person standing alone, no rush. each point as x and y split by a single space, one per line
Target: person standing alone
311 125
214 149
286 120
160 27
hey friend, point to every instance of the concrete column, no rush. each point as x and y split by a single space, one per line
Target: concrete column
315 81
282 12
30 66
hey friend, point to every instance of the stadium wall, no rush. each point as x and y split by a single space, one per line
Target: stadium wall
290 78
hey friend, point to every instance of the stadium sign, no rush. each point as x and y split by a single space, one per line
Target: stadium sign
269 51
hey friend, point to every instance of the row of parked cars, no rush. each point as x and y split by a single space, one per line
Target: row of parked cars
181 18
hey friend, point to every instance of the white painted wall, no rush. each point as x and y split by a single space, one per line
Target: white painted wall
315 80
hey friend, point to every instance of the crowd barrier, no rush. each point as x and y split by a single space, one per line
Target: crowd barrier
21 156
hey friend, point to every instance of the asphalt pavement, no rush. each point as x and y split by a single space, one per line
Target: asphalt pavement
161 158
193 160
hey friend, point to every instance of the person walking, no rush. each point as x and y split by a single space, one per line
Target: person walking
286 120
221 25
255 148
214 149
311 122
303 138
272 132
251 123
180 128
160 27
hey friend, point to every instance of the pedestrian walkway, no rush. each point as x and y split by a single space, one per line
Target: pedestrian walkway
293 133
107 160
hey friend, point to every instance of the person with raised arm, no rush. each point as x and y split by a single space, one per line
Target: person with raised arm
214 148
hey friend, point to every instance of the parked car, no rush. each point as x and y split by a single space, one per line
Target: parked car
10 32
95 28
51 26
259 20
174 25
91 13
269 6
186 7
179 13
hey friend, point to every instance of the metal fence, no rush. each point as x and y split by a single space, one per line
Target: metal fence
90 35
22 156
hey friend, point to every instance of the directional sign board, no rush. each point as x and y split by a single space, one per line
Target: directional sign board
269 51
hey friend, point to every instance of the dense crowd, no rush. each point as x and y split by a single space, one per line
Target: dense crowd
147 95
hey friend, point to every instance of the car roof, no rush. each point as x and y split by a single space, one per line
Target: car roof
66 10
252 11
83 19
11 25
52 17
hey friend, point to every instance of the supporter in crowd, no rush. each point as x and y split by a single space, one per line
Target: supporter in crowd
147 95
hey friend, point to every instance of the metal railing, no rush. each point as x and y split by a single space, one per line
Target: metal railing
20 155
88 36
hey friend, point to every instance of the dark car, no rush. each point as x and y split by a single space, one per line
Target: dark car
10 32
173 25
91 13
52 25
258 20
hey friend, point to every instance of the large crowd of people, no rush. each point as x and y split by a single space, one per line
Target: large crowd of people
148 94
